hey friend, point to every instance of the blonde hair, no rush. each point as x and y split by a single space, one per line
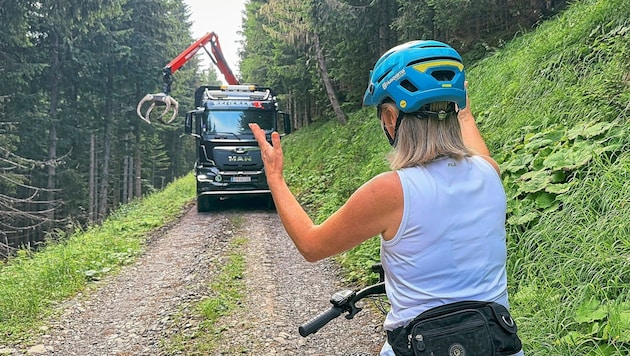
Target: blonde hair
420 140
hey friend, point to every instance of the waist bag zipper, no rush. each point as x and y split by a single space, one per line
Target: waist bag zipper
420 340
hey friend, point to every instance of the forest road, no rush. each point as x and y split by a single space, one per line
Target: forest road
130 313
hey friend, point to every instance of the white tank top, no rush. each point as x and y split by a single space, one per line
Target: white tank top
450 245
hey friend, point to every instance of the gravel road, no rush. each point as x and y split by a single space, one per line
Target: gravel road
131 312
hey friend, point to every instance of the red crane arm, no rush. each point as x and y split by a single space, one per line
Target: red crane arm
220 61
164 98
188 53
217 57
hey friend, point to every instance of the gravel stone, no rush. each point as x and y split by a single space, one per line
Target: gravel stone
131 312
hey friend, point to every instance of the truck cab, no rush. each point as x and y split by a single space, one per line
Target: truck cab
229 161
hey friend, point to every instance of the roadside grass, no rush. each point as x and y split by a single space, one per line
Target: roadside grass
31 284
571 271
225 294
554 108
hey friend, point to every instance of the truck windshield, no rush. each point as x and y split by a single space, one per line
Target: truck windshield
236 122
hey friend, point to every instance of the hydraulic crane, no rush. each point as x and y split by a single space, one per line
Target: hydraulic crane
163 98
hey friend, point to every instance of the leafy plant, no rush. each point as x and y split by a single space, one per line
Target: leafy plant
543 165
598 321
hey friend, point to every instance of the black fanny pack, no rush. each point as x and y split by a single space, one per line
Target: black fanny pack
462 328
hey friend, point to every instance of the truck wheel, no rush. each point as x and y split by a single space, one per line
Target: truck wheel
203 204
270 204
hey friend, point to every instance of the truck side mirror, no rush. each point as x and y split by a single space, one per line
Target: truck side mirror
192 123
188 123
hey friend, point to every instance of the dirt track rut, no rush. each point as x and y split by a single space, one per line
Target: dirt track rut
131 312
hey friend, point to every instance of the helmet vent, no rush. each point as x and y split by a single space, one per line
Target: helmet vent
409 86
443 75
383 76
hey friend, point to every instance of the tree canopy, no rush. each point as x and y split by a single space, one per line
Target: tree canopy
71 145
314 50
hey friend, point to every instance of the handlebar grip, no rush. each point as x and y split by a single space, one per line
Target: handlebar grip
319 321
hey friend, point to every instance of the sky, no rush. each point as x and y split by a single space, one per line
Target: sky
224 18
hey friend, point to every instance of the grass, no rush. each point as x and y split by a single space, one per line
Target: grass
226 293
31 284
577 257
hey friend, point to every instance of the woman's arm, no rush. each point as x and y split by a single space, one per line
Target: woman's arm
375 208
471 135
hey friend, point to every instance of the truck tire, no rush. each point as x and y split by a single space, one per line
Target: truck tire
203 204
270 204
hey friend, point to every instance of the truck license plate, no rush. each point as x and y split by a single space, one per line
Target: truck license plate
241 179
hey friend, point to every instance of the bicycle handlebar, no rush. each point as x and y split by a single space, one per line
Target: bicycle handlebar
319 321
344 301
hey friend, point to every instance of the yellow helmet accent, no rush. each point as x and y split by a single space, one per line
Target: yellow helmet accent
403 104
422 67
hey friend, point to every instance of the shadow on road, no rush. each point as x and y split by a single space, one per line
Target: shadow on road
240 203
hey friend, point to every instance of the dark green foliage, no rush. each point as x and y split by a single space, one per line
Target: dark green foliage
75 70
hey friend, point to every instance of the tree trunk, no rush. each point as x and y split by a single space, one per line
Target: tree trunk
103 201
52 116
138 164
332 96
386 37
52 171
125 174
115 186
92 180
104 188
176 160
130 179
309 111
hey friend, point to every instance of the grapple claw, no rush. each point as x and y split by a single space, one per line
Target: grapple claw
158 99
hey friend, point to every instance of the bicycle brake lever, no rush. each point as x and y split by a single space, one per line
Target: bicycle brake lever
353 310
378 288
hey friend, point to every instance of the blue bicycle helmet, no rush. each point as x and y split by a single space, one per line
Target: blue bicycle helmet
417 73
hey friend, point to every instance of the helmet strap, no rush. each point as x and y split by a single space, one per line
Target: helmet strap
393 140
